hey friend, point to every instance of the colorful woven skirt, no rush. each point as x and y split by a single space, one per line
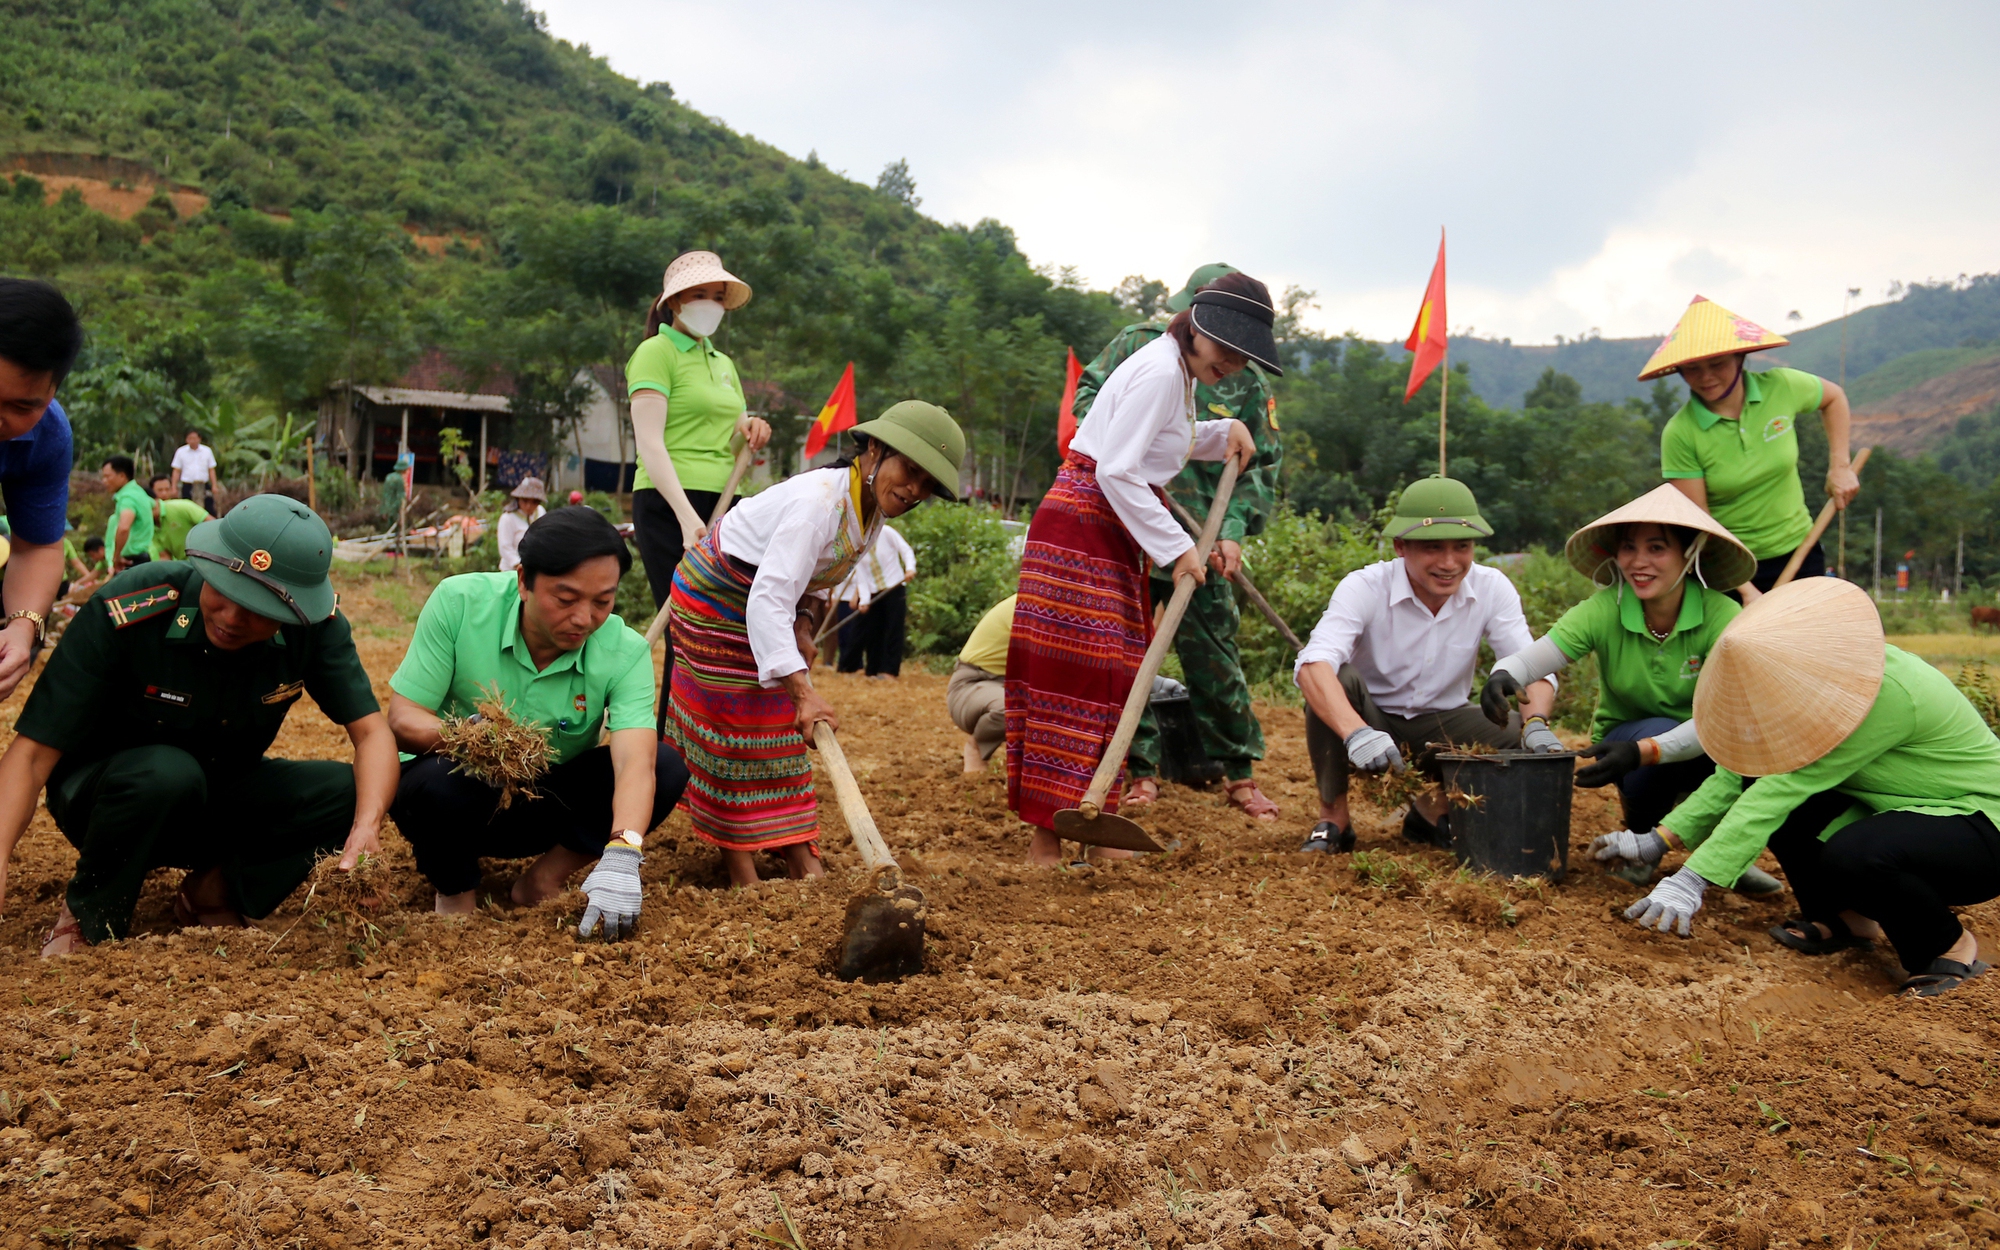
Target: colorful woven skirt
750 781
1081 626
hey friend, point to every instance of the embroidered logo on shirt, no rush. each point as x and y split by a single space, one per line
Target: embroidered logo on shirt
1777 428
1271 410
1220 411
582 704
174 697
290 690
1691 668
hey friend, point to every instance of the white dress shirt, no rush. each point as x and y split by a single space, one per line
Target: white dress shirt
1141 431
890 562
1411 661
195 463
788 532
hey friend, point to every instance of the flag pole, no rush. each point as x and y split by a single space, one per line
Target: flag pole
1444 391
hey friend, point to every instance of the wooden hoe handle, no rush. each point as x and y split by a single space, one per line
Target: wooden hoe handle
853 808
1819 528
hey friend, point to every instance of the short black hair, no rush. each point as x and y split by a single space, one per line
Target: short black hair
122 464
94 543
39 331
157 478
563 538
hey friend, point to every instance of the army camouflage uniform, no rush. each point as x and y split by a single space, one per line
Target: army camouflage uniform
1206 641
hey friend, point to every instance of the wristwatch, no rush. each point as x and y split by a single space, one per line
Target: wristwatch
41 623
628 837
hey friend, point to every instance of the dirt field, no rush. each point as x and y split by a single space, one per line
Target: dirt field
1230 1045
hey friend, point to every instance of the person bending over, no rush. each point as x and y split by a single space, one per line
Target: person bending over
39 341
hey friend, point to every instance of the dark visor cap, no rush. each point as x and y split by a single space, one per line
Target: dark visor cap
1241 324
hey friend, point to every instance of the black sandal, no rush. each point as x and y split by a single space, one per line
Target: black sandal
1329 838
1417 829
1798 934
1941 976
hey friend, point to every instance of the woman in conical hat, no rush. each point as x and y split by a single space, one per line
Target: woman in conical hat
1663 564
1733 447
1865 771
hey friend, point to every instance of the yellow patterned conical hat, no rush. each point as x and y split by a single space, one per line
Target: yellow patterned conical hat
1708 329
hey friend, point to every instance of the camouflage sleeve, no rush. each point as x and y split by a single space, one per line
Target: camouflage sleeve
1256 495
1098 371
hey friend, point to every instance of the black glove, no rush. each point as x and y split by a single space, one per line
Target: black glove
1497 699
1614 760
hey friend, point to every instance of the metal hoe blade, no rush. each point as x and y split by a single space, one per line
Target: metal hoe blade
1104 829
885 930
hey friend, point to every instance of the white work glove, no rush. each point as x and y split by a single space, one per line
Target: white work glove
614 891
1538 737
1641 848
1372 751
1672 904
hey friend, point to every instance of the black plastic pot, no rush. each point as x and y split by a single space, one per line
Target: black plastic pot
1510 811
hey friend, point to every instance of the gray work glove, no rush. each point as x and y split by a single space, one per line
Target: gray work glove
1640 848
1538 737
1372 751
614 891
1671 906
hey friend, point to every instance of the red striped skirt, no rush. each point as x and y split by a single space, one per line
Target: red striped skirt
750 781
1081 626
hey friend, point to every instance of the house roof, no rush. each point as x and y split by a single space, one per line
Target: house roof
436 381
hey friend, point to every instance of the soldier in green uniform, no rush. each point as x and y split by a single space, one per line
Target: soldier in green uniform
149 726
1206 641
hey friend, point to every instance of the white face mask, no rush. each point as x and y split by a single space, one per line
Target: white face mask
699 317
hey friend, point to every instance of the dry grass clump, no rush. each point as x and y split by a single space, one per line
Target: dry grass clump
495 749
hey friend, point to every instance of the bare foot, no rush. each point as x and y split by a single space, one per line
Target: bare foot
973 764
1105 854
549 875
1140 792
65 936
1044 849
801 864
742 867
1862 927
462 904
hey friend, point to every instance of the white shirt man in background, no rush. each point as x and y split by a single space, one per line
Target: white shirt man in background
194 472
1388 669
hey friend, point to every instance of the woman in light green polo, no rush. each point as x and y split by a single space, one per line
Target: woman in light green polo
687 407
1733 448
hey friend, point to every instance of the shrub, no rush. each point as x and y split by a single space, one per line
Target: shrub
965 565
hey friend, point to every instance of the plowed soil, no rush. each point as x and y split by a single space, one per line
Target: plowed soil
1229 1045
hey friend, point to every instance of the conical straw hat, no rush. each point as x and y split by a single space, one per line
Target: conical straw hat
1708 329
1790 678
1724 564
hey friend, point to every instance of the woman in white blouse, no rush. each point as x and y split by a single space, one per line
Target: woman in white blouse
524 508
1082 622
747 600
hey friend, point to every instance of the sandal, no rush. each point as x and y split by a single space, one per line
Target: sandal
66 926
1139 792
1328 838
1417 829
1256 805
1802 936
1942 975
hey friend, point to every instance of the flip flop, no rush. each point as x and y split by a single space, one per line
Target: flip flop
1942 975
1327 838
1257 805
1797 933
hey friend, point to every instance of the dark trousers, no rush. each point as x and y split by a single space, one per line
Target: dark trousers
661 545
1217 688
451 820
207 499
264 825
875 637
1413 734
1649 793
1767 570
1903 870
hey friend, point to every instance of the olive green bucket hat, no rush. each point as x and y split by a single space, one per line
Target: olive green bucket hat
1438 508
926 434
1183 299
270 555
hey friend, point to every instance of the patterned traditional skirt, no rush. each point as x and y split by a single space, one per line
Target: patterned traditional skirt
750 781
1081 627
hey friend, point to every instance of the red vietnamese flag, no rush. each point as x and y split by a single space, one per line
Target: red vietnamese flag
1066 415
836 415
1427 342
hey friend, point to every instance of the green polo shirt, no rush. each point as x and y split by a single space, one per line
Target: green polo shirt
139 539
1637 676
704 403
154 679
1921 748
170 532
1751 464
468 643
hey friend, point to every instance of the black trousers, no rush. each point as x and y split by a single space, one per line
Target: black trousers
153 807
207 494
1903 870
875 637
450 820
1767 570
661 545
1649 792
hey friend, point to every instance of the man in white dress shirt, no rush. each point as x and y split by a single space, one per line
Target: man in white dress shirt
194 472
1388 669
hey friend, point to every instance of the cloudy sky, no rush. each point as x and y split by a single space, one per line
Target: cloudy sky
1596 164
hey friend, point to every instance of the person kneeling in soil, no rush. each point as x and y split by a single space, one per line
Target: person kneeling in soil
976 698
748 599
1388 667
1650 630
150 724
542 642
1870 777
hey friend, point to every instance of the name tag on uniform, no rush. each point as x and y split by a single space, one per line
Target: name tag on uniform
290 690
159 694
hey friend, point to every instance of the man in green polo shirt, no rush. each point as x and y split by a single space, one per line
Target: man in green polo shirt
544 640
173 519
128 532
150 724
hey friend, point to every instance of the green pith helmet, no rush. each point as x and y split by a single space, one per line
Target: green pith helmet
1183 299
270 555
926 434
1436 508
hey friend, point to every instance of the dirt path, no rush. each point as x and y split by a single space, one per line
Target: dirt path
1231 1045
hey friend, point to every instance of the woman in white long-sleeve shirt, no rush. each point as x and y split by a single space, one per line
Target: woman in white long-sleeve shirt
1082 622
747 600
524 508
